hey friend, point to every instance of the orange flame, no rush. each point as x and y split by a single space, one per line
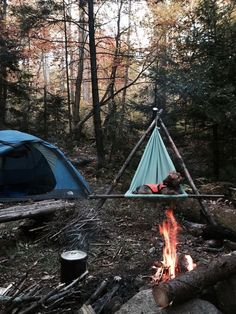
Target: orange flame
169 229
168 268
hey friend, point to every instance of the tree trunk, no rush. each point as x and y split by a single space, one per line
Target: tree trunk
126 74
45 112
192 283
71 58
45 92
32 210
3 72
111 124
216 151
96 104
67 68
79 78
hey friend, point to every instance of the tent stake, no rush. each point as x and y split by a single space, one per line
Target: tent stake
122 169
204 210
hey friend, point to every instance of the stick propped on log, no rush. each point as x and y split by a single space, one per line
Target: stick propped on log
192 283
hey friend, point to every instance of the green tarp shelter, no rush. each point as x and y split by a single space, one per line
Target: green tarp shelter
153 168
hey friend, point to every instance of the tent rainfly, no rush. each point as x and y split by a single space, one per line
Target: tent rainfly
31 168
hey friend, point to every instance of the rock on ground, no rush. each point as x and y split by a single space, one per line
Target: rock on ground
143 303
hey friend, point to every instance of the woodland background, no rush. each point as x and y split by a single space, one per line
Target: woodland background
79 73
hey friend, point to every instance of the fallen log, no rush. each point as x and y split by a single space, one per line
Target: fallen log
209 232
32 210
190 284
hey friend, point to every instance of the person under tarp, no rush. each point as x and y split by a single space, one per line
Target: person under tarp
154 167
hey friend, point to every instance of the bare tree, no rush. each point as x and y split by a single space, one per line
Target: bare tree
79 78
67 66
95 93
126 74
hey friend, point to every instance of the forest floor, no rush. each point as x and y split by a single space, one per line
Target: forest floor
122 240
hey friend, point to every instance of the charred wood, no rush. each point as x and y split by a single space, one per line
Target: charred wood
98 292
103 302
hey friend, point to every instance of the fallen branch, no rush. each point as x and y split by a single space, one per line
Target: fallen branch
192 283
31 299
18 300
209 232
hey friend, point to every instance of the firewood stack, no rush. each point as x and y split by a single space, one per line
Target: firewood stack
23 299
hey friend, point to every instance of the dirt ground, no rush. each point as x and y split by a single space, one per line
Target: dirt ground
122 239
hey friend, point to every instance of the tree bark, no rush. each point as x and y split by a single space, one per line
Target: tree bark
192 283
95 93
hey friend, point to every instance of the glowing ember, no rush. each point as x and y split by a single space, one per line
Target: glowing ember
168 268
190 264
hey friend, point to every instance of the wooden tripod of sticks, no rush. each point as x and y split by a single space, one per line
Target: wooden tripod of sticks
209 219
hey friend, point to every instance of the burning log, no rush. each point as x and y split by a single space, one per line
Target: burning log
192 283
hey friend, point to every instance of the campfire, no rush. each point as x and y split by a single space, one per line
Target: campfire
177 278
171 264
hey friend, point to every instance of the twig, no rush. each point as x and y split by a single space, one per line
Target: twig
40 302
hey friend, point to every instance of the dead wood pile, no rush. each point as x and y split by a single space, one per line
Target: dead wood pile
26 300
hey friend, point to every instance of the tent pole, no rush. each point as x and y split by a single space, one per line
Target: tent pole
204 210
124 166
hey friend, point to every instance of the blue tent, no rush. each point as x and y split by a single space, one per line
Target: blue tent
31 168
